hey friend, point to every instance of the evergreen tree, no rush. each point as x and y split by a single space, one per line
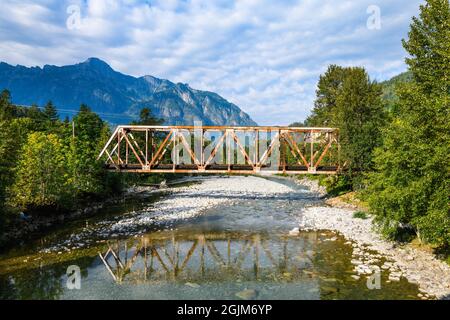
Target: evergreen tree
429 47
297 124
86 173
359 114
147 118
328 89
50 112
88 125
412 180
4 166
7 111
35 113
347 99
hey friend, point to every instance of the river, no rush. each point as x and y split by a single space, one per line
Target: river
217 238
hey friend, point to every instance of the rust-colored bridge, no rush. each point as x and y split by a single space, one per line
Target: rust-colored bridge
222 149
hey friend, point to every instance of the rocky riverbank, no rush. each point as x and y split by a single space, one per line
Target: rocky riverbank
25 228
372 253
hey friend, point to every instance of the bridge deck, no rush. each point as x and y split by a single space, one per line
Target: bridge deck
242 150
221 169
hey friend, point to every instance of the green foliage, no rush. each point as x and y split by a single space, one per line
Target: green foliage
147 118
40 180
412 178
7 110
359 116
428 45
336 185
86 174
328 89
50 112
360 215
43 167
13 133
347 99
389 89
297 124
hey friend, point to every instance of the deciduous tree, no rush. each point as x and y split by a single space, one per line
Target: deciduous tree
412 182
41 173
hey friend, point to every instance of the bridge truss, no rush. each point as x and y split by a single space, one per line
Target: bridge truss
222 149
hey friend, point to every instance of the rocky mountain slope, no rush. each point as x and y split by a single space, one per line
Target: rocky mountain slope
117 97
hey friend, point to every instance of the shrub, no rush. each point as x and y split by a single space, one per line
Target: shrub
360 215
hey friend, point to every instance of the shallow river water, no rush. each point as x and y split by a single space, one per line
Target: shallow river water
235 248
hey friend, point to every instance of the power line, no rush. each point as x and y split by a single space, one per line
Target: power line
73 111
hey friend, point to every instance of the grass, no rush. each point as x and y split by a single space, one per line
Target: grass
360 215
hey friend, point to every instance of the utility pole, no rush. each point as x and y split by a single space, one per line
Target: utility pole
73 129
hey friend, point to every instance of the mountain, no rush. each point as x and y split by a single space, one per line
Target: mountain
389 87
117 97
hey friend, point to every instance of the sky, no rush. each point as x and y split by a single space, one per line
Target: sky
264 56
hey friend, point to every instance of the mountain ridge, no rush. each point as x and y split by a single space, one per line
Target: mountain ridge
389 87
122 96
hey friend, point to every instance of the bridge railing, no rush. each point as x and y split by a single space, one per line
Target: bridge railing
222 149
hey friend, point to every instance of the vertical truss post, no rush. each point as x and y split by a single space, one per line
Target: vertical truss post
339 150
152 144
146 148
228 146
312 168
175 154
202 150
126 151
119 133
283 154
256 161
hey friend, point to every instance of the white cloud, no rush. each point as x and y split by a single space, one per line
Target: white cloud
264 56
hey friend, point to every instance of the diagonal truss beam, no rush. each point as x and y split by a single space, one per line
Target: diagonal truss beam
242 149
216 148
158 155
294 147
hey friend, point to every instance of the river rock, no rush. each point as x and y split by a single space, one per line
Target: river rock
192 285
356 262
294 232
394 277
246 294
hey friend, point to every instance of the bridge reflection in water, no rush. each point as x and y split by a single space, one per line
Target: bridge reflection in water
167 256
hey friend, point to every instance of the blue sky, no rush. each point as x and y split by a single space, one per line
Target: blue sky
264 56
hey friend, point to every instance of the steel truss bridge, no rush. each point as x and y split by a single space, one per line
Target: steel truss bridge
222 149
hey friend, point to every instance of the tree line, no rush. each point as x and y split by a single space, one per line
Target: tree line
397 152
47 165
